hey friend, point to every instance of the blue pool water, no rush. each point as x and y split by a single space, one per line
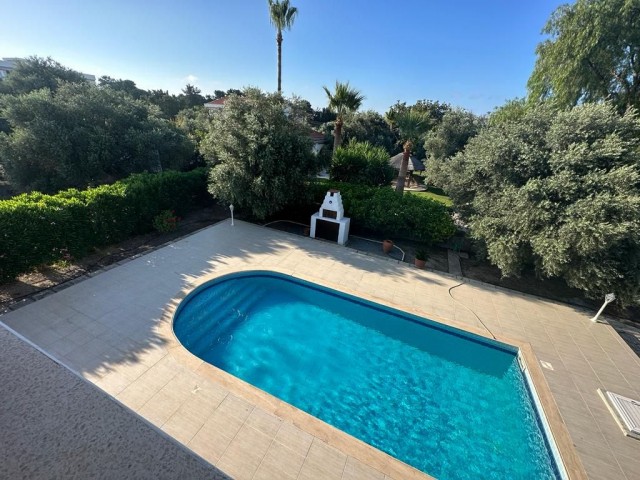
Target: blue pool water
448 403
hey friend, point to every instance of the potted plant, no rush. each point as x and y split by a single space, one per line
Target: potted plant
421 258
387 246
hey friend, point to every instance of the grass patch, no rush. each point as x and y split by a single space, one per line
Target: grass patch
435 194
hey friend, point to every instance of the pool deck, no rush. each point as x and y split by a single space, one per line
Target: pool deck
114 330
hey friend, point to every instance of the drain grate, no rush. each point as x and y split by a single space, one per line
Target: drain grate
625 410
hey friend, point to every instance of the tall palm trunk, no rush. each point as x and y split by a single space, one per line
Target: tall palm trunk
337 134
406 153
279 42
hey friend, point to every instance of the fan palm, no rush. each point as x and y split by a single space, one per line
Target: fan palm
412 125
343 100
282 16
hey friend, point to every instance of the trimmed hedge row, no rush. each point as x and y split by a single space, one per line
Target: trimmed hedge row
36 229
383 211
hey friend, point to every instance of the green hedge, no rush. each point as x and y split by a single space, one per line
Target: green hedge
383 211
362 163
36 229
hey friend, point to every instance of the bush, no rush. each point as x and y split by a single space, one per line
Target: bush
385 212
38 228
363 163
166 221
260 152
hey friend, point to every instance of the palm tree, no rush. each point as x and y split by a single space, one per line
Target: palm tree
343 100
282 17
411 126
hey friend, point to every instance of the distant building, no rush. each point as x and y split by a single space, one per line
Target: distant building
215 105
318 141
8 64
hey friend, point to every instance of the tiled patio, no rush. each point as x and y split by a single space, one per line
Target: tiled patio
114 330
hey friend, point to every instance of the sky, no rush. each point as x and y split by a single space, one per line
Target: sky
474 54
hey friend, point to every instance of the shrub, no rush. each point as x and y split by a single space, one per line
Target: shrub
383 211
166 221
363 163
260 152
38 228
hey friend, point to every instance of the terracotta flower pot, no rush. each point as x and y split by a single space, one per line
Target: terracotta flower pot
387 246
307 232
419 263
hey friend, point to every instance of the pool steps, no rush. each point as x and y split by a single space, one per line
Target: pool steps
222 319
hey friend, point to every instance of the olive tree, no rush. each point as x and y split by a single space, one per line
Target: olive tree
559 191
80 135
260 154
592 54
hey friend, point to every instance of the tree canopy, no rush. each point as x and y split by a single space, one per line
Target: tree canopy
557 191
452 133
260 153
431 111
593 54
370 127
80 135
35 73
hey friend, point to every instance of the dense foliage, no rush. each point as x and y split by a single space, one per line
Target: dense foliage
370 127
361 162
260 152
38 228
382 211
593 54
560 191
431 112
36 73
81 135
452 134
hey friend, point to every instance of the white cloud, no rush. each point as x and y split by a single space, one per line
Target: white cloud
192 79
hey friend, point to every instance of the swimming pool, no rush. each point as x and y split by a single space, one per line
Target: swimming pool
447 402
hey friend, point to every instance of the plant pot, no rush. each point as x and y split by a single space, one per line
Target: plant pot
387 246
420 263
307 232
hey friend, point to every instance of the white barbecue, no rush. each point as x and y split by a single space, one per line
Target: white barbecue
331 218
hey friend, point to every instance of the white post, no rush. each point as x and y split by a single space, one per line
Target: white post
231 208
609 297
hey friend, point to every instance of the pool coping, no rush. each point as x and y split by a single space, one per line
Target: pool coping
335 437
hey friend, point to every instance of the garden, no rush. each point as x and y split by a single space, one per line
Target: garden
539 195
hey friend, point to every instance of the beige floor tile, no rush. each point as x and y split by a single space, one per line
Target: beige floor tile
160 408
235 407
184 424
245 453
356 470
226 424
264 422
601 470
279 462
294 438
136 394
323 461
209 443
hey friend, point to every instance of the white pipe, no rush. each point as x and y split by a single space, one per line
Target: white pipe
231 208
609 297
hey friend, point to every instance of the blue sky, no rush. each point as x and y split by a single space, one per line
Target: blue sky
471 53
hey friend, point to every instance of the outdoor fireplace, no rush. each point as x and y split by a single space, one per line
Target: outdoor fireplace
330 222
